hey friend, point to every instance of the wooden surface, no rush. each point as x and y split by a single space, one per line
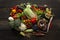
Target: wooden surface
5 30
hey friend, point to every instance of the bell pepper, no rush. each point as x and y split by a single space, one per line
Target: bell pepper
23 17
13 10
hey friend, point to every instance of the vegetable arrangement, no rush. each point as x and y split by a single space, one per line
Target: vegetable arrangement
30 19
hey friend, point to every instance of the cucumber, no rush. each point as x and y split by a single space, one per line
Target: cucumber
29 13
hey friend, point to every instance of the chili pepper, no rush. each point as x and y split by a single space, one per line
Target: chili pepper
13 10
15 16
19 10
28 26
33 7
23 17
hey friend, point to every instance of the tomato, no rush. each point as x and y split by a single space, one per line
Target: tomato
33 20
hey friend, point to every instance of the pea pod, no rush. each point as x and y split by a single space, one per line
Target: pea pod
22 33
29 30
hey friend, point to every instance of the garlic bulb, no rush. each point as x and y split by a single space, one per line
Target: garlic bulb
11 19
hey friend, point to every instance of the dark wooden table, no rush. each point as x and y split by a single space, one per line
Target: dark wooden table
5 30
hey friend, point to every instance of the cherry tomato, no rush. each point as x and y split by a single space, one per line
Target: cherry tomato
33 20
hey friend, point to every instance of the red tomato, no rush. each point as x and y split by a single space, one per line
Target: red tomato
33 20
